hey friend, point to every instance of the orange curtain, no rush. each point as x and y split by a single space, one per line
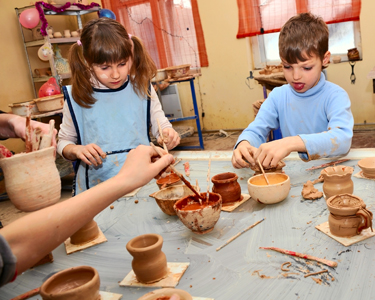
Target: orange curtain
172 33
264 16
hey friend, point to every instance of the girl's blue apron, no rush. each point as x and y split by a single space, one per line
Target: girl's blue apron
118 122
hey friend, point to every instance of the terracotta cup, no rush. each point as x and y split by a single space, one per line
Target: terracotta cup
166 293
199 218
337 180
86 234
74 284
149 262
32 180
368 166
348 215
169 180
227 186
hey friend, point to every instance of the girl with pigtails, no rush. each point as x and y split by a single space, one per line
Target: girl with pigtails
110 104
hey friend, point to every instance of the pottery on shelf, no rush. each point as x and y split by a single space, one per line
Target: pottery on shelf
167 197
368 166
199 218
32 180
67 33
165 294
227 186
348 215
149 262
76 283
337 180
277 169
86 234
74 33
275 192
169 180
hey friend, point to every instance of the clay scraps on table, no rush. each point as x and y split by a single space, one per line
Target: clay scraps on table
278 168
187 168
309 192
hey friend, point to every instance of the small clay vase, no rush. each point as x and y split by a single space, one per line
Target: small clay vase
337 180
32 180
166 293
74 284
67 33
348 215
86 234
227 186
149 262
169 180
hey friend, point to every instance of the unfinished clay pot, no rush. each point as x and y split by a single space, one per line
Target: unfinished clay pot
74 284
167 197
149 262
165 294
277 169
169 180
275 192
348 215
199 218
227 186
337 180
86 234
368 166
32 180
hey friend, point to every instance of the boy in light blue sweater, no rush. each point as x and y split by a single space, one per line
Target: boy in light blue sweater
313 114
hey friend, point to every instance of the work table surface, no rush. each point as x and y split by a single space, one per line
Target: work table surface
240 270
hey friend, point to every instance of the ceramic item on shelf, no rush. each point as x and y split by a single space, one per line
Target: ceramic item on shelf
227 186
43 72
368 166
337 180
61 64
57 34
45 52
275 192
86 234
74 33
76 283
20 108
32 180
50 103
336 59
167 197
200 218
50 32
178 71
169 180
348 215
166 293
160 75
353 54
149 262
67 33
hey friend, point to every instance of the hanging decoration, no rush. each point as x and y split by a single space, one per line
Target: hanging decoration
45 52
60 9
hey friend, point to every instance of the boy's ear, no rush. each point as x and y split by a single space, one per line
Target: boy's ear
326 58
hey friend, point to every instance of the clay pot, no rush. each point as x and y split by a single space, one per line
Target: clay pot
337 180
32 180
165 294
227 186
368 166
149 262
199 218
167 197
86 234
74 284
169 180
275 192
50 103
353 54
67 33
348 215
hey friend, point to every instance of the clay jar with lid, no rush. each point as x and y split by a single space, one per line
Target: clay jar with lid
74 284
169 180
149 262
348 215
337 180
32 180
227 186
86 234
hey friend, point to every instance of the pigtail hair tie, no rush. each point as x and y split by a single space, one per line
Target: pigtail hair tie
130 36
79 43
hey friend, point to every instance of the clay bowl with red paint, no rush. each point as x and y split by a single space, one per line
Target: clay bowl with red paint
199 218
368 166
169 180
275 192
165 294
75 283
167 197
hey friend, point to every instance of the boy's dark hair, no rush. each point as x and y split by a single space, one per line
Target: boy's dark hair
303 34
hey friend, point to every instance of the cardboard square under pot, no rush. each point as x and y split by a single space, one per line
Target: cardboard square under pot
71 248
232 206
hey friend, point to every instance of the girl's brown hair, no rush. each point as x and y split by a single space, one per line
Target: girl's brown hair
304 34
105 40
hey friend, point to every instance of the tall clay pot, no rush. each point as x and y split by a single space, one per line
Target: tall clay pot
337 180
86 234
74 284
32 180
149 262
227 186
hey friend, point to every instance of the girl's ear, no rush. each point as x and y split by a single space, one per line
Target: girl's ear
326 59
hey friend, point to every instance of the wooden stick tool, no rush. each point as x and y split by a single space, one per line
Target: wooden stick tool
264 174
208 180
161 136
178 174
